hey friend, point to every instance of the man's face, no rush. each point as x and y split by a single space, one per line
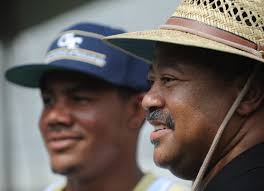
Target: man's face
186 104
82 123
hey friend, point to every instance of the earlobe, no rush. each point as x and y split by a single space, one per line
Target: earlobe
252 100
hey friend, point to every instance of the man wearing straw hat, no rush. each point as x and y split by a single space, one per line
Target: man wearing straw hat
206 101
92 111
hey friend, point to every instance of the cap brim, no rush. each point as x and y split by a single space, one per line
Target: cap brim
141 44
28 75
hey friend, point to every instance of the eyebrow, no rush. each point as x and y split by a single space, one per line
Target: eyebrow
73 88
168 64
84 87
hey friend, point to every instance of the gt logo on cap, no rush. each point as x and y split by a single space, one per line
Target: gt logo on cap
70 41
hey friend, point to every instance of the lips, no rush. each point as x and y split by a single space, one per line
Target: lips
160 130
59 142
158 133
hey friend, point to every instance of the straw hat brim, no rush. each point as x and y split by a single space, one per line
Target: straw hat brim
141 44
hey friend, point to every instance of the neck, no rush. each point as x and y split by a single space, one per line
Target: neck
123 176
249 134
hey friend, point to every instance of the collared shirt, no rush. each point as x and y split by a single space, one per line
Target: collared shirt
149 182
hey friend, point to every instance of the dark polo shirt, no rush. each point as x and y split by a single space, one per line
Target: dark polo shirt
244 173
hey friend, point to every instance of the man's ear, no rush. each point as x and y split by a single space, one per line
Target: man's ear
136 111
252 100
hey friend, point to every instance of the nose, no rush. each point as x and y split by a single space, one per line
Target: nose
57 115
153 98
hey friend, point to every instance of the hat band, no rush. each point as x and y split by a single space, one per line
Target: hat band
213 33
78 54
82 33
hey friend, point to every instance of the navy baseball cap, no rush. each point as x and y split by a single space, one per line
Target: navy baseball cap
80 48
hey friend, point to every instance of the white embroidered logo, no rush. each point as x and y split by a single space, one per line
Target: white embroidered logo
70 41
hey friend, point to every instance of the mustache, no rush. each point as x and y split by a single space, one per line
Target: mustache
162 116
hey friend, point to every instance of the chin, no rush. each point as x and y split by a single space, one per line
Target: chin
63 165
64 171
183 170
181 173
161 161
174 164
176 171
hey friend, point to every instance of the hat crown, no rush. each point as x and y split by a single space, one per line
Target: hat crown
244 18
79 48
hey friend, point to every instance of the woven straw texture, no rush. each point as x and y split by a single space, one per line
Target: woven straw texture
244 18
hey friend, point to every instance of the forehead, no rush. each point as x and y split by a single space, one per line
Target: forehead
169 56
72 79
223 65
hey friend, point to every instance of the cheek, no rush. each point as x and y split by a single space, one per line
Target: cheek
198 111
90 116
194 113
100 124
207 102
94 117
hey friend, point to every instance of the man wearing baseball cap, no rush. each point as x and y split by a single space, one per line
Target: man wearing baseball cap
92 111
206 97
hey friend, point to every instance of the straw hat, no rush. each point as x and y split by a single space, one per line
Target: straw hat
231 26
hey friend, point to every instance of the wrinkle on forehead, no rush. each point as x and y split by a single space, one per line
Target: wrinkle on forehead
168 57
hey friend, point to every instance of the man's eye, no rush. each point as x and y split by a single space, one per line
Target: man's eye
81 99
166 79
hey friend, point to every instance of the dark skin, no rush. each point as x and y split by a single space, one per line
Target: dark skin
196 97
90 132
